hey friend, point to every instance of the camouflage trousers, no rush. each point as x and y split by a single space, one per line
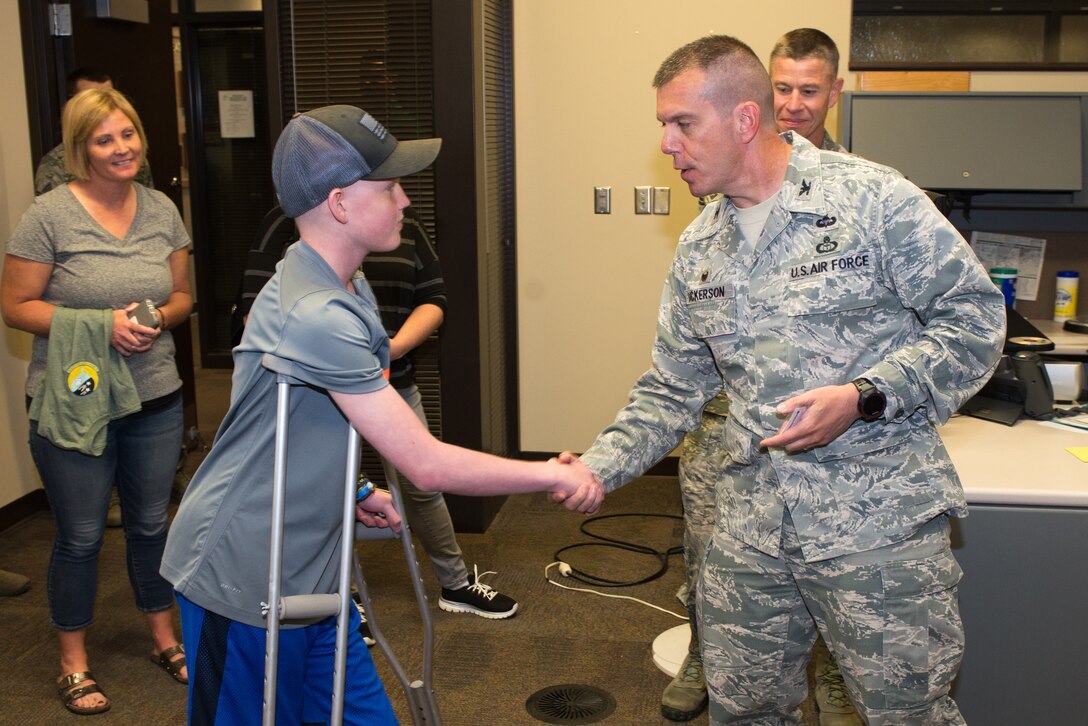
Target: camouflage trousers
889 615
702 460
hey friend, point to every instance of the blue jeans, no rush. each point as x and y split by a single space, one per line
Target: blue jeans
141 458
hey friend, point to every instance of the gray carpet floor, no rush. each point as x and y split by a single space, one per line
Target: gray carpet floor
484 671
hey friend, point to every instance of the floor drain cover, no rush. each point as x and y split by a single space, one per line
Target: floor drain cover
570 703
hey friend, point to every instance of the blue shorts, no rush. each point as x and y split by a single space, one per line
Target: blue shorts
226 673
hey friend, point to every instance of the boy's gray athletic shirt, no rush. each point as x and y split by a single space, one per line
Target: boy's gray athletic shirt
217 551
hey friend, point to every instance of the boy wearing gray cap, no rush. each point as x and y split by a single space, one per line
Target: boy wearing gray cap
336 171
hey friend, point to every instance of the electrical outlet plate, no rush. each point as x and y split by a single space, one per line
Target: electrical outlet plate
602 200
644 200
661 200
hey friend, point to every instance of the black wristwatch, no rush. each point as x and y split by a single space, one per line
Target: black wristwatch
871 401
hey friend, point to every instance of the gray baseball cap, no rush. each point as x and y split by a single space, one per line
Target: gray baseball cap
336 146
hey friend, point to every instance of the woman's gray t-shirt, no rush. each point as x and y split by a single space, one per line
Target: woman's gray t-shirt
93 269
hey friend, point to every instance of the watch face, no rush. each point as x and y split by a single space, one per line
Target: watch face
873 402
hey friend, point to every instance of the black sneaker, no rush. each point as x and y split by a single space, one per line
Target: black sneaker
364 628
478 599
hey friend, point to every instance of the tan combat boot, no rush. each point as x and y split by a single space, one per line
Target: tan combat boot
685 696
832 700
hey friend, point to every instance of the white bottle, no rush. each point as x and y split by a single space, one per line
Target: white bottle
1065 296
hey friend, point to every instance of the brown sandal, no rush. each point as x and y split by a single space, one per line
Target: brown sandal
173 667
70 691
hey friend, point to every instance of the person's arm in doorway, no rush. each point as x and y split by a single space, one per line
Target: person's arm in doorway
422 321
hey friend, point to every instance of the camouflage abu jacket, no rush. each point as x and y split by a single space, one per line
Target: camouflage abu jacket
856 274
719 405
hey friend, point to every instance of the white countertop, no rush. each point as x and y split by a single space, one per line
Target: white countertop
1065 343
1025 464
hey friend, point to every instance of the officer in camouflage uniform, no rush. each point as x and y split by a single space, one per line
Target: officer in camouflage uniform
804 69
702 458
861 316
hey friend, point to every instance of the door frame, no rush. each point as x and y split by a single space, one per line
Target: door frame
187 22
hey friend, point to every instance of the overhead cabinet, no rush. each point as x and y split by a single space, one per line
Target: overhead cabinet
974 142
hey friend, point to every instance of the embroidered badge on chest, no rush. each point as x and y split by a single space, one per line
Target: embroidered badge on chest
82 378
826 245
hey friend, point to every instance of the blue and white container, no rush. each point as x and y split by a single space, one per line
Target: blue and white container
1005 279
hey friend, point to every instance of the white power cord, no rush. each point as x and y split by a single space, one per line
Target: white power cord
565 570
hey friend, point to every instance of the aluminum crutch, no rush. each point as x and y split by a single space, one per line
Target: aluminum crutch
420 693
279 607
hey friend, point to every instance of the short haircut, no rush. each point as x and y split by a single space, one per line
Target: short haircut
84 73
83 113
804 43
734 72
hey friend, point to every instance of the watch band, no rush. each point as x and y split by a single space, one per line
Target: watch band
871 402
366 488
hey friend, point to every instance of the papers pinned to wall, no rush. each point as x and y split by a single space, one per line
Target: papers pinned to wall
236 115
1024 254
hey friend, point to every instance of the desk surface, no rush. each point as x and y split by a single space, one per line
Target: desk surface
1065 343
1025 464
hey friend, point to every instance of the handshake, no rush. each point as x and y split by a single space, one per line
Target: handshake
576 487
471 473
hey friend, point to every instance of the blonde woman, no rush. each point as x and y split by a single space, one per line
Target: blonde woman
83 258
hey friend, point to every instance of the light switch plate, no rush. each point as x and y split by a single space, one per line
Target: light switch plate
661 200
602 200
643 199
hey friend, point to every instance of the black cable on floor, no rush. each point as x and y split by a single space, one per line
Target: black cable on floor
591 579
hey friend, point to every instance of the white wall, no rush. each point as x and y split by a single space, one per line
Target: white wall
17 473
588 285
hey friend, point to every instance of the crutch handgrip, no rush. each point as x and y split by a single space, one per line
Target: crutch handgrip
307 607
